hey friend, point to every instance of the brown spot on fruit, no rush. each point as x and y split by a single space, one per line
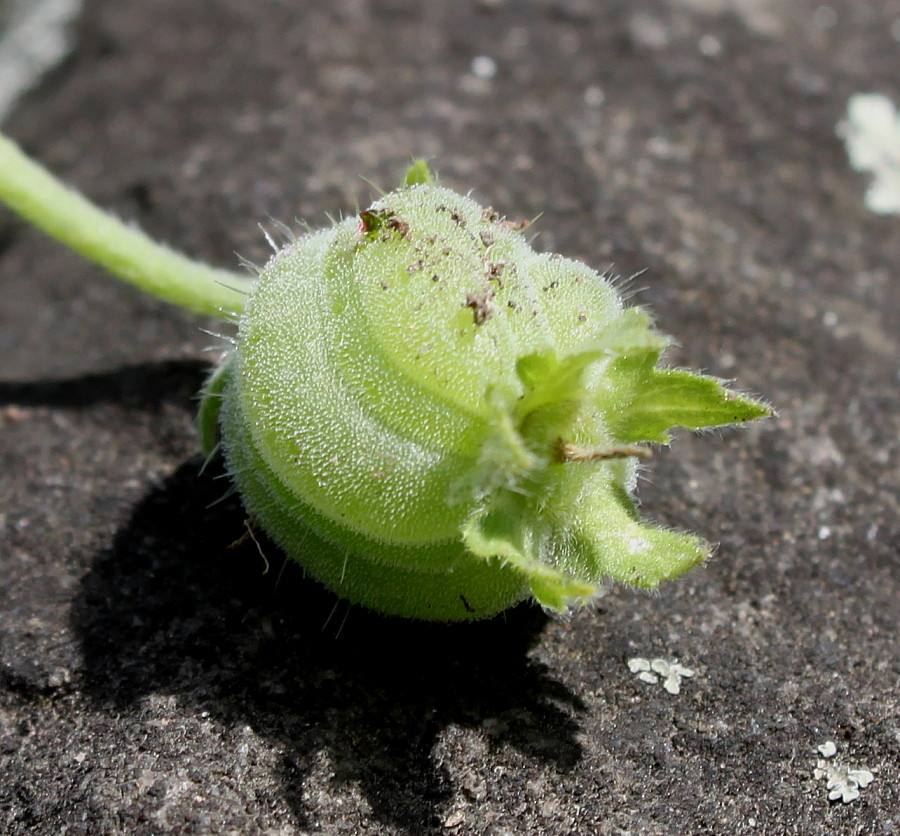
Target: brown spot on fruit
480 303
494 272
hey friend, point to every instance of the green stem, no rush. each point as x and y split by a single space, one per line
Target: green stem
35 194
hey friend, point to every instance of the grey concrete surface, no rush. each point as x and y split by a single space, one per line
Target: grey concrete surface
154 681
34 37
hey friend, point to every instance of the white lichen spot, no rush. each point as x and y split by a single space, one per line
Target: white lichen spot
483 66
828 749
652 671
648 31
845 782
594 96
871 133
842 781
710 46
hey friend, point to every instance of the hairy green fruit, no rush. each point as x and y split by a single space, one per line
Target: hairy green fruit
437 422
433 419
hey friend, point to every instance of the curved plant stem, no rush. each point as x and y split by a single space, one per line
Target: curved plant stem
129 254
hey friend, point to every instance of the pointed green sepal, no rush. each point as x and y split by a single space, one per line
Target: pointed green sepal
612 540
504 459
643 403
555 385
503 530
554 394
419 173
210 406
550 380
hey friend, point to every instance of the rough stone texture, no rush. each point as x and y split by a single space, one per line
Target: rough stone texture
154 681
35 35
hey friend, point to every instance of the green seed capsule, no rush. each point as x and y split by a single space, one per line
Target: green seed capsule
437 422
433 419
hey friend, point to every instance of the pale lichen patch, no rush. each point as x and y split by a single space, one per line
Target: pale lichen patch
871 133
652 671
842 781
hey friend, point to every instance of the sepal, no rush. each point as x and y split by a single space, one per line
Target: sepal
211 406
508 531
612 540
642 402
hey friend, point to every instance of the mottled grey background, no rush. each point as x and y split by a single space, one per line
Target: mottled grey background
152 681
35 35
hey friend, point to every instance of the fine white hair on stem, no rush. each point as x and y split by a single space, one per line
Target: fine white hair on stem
230 492
281 571
269 239
343 620
331 614
223 337
241 289
284 230
248 265
376 188
212 454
